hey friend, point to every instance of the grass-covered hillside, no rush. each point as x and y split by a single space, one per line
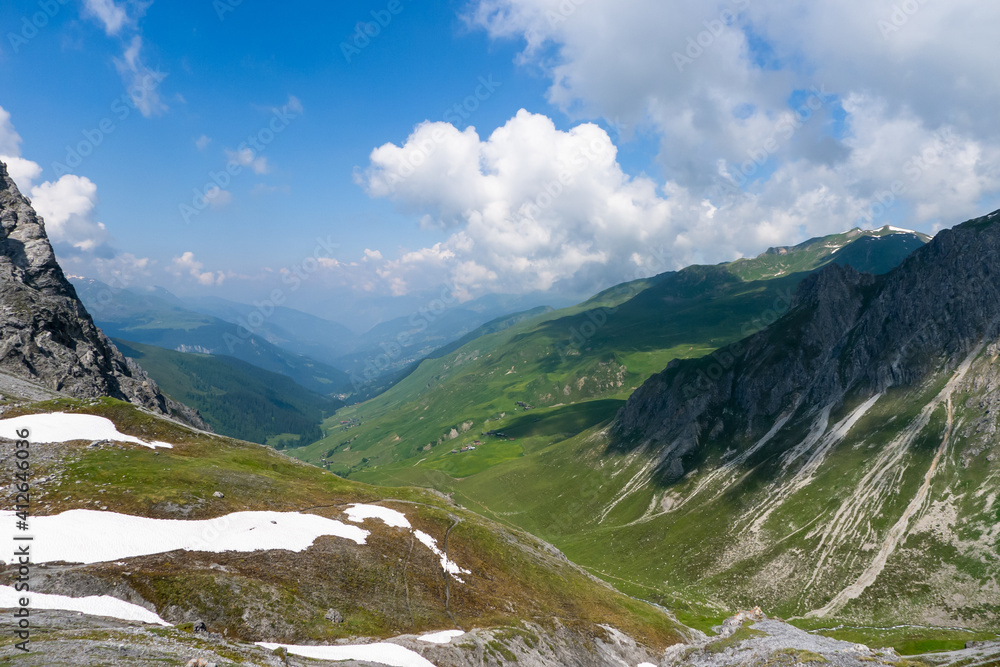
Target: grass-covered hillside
392 584
869 515
236 398
864 516
572 368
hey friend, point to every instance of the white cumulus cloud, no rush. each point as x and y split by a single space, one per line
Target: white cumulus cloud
68 207
186 264
713 80
23 172
529 206
113 17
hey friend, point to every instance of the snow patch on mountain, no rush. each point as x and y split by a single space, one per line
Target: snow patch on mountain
381 654
441 637
88 536
103 605
359 512
65 427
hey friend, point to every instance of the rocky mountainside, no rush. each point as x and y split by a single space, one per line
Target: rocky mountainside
47 335
847 333
839 468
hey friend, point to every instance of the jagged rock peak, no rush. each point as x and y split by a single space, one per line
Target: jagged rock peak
46 334
845 333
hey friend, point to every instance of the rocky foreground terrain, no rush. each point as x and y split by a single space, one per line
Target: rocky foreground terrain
749 638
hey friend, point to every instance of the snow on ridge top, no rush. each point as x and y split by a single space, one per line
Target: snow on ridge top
88 536
383 653
899 230
359 512
64 427
92 605
441 637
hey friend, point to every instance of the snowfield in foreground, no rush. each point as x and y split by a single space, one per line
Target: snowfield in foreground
382 654
64 427
88 536
103 605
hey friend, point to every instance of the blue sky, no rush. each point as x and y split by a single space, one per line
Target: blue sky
222 76
633 116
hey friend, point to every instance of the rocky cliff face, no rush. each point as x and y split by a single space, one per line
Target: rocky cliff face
846 334
46 335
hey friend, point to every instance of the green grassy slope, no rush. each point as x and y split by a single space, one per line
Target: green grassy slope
736 531
598 351
792 525
236 398
386 587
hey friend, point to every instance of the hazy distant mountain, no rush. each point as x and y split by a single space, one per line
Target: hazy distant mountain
287 328
157 318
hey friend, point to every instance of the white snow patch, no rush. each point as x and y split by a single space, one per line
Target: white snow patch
899 230
63 427
382 654
103 605
88 536
448 566
441 637
359 512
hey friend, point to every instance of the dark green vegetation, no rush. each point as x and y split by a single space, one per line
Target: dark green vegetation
389 586
236 398
159 319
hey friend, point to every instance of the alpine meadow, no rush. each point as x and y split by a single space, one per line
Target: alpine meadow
553 333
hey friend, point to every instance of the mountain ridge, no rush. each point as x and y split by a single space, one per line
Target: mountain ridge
48 335
838 315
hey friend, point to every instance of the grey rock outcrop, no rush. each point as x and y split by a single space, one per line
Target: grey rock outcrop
46 335
846 334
